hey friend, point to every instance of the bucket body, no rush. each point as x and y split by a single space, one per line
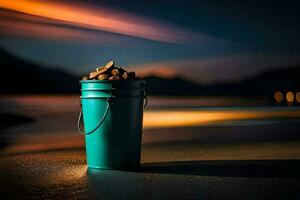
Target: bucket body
116 143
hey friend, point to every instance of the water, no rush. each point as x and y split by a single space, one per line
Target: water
57 114
195 121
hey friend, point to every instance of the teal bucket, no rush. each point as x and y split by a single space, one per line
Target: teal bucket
113 116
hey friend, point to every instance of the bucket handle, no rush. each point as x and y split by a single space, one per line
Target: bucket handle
108 101
145 99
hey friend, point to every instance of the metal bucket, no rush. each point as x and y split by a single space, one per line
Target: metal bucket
113 116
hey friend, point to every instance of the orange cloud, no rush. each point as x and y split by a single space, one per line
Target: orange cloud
99 18
50 32
219 68
156 70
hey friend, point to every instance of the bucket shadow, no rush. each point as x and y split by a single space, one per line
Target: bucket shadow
228 168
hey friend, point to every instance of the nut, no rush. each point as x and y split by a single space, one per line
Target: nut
110 72
109 64
114 78
115 72
103 77
94 74
101 70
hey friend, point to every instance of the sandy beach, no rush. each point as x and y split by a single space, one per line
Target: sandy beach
210 154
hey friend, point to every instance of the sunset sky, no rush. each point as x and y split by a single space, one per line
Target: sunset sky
207 42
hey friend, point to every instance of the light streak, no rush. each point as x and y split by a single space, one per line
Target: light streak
93 17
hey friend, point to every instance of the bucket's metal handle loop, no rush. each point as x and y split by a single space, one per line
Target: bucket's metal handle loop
108 102
145 100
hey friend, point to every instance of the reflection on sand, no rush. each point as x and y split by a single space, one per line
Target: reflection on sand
67 174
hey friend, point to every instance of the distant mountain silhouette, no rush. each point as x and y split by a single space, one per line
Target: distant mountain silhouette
264 85
25 77
171 86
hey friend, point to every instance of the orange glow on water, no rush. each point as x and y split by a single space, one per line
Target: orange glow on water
152 120
165 119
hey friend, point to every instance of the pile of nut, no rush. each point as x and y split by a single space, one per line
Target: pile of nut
110 72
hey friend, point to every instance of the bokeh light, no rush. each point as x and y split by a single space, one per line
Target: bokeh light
297 97
289 97
278 96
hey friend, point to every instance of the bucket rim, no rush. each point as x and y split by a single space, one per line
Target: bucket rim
110 81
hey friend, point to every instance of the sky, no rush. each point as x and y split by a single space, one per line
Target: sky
208 42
